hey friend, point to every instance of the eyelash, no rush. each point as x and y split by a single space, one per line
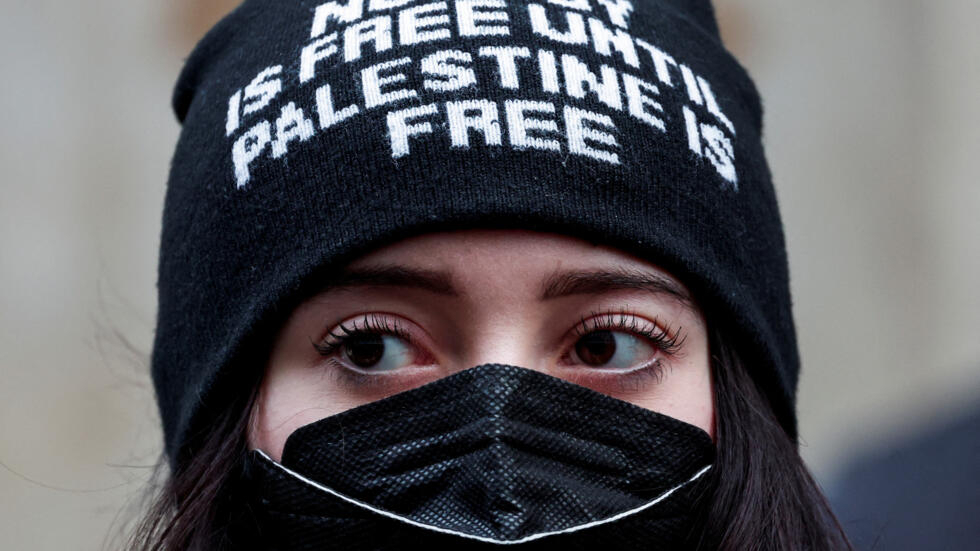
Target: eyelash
376 324
665 340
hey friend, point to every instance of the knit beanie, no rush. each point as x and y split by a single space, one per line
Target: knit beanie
313 132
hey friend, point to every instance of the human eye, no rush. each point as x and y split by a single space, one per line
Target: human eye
370 344
622 343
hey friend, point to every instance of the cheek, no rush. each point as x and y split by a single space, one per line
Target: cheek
292 394
686 392
277 414
694 403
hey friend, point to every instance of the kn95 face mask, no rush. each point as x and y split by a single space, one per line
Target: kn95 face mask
491 456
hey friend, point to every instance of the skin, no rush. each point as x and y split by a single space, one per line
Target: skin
487 307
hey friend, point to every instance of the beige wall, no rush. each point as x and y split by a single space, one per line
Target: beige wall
873 131
873 128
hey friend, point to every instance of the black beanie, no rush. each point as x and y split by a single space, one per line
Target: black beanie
314 132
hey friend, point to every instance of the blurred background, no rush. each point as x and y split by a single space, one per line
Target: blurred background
872 132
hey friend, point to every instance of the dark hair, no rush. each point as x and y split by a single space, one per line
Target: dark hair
759 496
196 504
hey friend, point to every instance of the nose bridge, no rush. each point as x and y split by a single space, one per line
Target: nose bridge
500 317
505 339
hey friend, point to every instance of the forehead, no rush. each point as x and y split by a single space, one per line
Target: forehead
503 250
497 264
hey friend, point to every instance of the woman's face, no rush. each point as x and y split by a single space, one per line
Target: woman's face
433 305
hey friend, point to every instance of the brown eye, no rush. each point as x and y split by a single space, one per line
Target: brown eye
365 350
596 348
375 345
610 349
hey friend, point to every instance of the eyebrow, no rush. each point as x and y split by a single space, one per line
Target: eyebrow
559 284
563 284
393 276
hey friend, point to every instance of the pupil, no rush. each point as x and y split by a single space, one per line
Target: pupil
597 347
365 350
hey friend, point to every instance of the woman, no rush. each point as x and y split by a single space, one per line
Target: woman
473 274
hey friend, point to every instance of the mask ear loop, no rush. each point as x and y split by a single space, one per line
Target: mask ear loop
417 524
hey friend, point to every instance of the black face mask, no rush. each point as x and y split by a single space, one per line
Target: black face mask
490 456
